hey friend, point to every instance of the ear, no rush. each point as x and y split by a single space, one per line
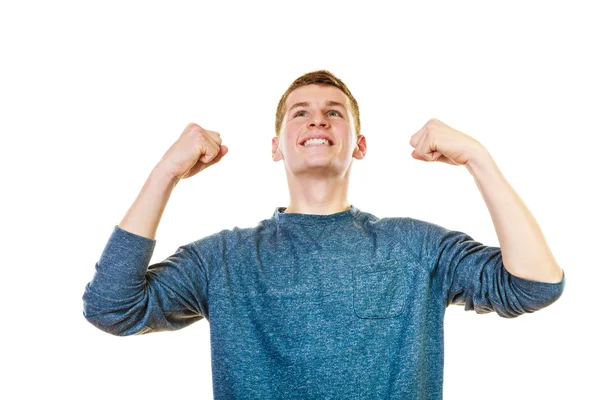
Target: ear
361 148
275 153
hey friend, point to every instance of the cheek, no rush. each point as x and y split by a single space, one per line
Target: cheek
292 130
294 125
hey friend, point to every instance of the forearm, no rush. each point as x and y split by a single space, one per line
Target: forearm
525 252
144 215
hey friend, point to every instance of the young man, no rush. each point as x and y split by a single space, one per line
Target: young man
322 300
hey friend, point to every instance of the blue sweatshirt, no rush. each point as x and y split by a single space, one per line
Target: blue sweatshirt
304 306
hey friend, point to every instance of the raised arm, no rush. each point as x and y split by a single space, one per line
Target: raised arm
127 296
519 276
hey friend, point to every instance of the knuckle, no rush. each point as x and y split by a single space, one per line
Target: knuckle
201 135
193 129
198 127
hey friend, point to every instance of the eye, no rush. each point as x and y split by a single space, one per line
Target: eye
328 112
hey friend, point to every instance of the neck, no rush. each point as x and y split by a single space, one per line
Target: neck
318 195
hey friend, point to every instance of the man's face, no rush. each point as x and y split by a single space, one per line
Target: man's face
323 111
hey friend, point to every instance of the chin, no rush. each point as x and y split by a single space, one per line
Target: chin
319 169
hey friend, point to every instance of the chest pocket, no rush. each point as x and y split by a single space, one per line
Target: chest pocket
380 290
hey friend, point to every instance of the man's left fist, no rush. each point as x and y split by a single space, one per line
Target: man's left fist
437 141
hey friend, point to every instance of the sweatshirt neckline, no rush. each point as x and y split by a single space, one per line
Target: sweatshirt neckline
297 218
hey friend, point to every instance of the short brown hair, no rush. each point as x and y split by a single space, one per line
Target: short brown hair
320 77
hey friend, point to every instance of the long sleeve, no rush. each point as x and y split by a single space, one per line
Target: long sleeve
127 296
469 273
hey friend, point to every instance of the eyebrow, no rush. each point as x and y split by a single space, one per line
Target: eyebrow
328 104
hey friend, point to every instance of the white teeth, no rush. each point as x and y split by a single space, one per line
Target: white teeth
312 142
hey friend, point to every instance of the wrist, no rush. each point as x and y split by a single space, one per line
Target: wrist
164 174
479 160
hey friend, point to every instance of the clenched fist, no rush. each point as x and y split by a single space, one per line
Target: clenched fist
195 150
436 141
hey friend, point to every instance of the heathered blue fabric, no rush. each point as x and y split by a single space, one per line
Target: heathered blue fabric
303 306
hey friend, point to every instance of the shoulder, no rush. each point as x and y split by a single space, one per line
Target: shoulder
418 234
398 224
225 240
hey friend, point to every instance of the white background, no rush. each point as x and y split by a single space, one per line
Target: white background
93 94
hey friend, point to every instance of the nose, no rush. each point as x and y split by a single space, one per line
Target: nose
318 120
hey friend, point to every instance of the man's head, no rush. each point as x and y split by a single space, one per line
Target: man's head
318 105
321 77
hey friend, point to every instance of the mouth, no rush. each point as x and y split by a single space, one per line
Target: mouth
316 143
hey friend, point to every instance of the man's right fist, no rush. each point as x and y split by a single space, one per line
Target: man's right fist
195 150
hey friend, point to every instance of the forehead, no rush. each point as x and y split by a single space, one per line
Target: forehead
317 94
